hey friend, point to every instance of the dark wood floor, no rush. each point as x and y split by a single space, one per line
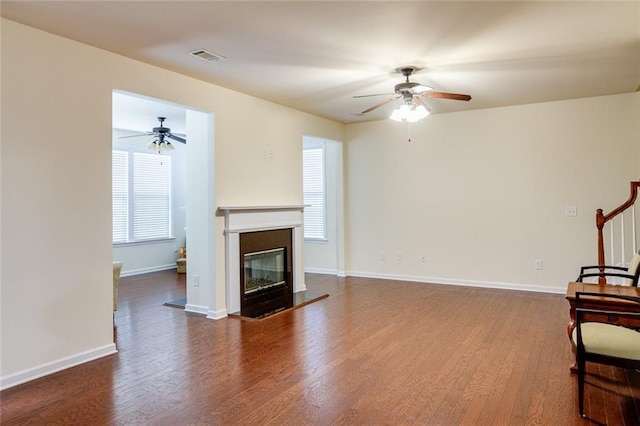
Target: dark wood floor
374 352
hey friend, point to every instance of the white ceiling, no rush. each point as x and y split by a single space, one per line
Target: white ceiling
316 55
134 112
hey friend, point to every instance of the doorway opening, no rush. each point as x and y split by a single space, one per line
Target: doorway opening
181 208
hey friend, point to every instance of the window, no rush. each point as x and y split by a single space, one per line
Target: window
142 205
313 170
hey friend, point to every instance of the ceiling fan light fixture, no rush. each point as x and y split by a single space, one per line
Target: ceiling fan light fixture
152 145
160 146
410 113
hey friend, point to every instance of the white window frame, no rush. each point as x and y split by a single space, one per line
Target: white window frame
130 184
315 211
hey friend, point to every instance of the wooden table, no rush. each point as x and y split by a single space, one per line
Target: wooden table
596 302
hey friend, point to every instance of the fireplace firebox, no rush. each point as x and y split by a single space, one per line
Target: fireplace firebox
264 269
266 278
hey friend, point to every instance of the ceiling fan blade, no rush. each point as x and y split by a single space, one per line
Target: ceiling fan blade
377 94
136 136
176 138
443 95
376 106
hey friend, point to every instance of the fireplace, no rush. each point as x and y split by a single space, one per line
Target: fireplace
266 280
272 239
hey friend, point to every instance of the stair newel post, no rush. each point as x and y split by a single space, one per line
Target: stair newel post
600 225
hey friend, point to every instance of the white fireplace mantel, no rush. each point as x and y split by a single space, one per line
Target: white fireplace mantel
260 218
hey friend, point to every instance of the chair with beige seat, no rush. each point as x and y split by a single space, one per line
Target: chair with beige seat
608 337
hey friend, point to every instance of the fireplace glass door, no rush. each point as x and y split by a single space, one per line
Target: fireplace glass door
264 269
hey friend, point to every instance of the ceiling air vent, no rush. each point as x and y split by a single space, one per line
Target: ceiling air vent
206 55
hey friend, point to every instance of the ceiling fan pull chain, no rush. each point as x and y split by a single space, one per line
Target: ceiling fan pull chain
408 131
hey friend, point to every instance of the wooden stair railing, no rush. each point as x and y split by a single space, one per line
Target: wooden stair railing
601 219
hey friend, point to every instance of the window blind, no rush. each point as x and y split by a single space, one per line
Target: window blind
120 195
313 163
151 196
142 202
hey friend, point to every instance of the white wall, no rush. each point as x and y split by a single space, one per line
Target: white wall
139 258
202 296
482 194
56 307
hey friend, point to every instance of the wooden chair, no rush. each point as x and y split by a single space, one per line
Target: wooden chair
608 337
630 274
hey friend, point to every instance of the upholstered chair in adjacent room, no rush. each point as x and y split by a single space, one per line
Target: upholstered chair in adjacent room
117 268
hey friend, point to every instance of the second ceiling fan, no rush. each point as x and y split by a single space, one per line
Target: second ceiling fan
412 93
161 135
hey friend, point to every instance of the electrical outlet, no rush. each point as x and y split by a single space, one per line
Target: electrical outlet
423 259
196 280
571 211
383 256
538 264
400 257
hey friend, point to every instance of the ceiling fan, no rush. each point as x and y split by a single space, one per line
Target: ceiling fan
161 135
412 93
